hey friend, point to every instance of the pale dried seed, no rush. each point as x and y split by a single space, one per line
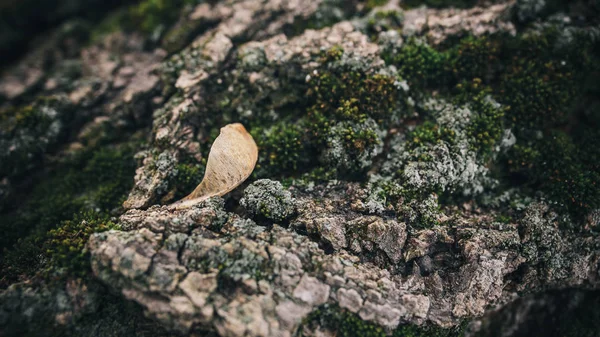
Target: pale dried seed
231 160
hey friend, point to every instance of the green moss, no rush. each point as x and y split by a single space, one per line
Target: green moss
429 133
27 132
543 82
556 149
148 17
349 108
368 95
487 124
284 147
565 169
340 118
93 180
13 119
189 175
370 4
440 3
332 54
475 57
503 218
150 14
538 91
65 244
316 175
346 324
420 64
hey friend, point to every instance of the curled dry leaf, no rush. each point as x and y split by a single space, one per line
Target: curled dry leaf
231 160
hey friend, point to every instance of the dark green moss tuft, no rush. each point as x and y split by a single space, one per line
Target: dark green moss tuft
353 94
26 133
189 175
429 133
420 64
152 18
346 324
65 244
149 15
370 4
440 3
543 84
284 148
475 58
487 125
567 170
345 108
93 180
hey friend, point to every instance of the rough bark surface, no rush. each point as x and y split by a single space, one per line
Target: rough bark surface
401 183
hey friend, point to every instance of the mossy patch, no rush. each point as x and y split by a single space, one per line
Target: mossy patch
92 182
28 132
440 3
346 324
370 4
338 125
542 82
65 244
420 64
189 175
283 148
149 17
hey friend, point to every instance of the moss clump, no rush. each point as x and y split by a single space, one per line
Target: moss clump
431 133
346 324
567 169
148 17
93 180
351 146
440 3
188 176
475 57
421 211
555 149
316 175
370 4
267 199
417 208
284 148
65 244
28 132
352 95
339 125
420 64
470 60
349 109
542 81
538 89
487 124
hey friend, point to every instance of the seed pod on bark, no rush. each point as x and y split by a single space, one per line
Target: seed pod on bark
231 160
